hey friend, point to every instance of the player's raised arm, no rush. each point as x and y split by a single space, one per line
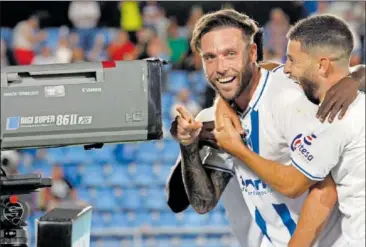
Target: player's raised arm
203 186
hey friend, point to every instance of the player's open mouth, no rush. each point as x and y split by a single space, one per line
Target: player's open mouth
226 80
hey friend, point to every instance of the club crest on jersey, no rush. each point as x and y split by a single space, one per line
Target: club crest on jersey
299 144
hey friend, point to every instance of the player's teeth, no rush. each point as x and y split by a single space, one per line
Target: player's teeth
225 79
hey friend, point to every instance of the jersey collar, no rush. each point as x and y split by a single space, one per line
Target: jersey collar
256 95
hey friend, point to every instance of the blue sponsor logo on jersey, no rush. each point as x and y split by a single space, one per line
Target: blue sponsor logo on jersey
254 186
299 143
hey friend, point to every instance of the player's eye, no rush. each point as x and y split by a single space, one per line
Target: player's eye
231 53
208 57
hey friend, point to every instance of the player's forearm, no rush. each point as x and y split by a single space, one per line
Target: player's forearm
282 178
199 187
315 212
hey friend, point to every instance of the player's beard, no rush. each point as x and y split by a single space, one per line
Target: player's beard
310 89
245 78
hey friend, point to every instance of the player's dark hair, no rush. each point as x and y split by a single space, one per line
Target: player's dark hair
323 31
220 19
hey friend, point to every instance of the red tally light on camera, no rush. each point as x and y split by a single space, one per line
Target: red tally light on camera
13 199
108 64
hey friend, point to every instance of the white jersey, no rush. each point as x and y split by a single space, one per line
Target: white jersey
339 148
275 214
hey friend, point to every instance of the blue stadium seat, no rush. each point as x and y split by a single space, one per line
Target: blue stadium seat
163 242
148 152
156 199
56 155
93 176
143 175
217 218
105 200
194 219
103 155
83 194
120 177
188 242
112 243
168 219
127 152
132 199
77 154
171 151
177 80
198 81
97 220
107 218
119 220
161 172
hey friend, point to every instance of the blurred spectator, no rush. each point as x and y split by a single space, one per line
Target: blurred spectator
144 35
61 190
26 37
84 16
4 58
195 14
78 55
73 40
97 52
275 30
157 48
354 14
45 56
178 45
150 13
63 52
162 24
183 98
120 47
131 19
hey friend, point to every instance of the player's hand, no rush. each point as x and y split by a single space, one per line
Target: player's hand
227 137
337 99
206 136
222 110
184 128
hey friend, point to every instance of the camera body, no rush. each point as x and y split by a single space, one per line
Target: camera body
81 104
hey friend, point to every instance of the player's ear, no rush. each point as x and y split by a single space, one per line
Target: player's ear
324 66
253 53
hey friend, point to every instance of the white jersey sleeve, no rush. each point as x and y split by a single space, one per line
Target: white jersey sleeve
315 147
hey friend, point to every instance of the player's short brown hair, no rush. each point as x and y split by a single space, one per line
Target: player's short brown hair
221 19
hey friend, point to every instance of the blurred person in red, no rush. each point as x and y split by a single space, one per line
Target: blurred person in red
274 37
25 37
120 47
